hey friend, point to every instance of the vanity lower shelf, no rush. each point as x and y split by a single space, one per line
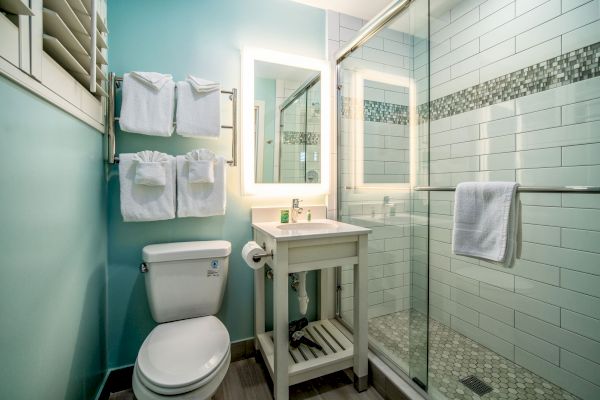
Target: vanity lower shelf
307 363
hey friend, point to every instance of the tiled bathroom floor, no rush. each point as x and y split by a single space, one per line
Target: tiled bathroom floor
454 356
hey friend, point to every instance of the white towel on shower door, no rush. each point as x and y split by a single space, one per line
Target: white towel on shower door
485 221
201 199
148 103
198 108
144 202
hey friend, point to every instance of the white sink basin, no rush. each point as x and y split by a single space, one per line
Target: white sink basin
304 226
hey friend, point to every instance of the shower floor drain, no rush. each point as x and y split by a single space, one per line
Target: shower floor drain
476 385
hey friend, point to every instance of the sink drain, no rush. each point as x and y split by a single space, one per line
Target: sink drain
476 385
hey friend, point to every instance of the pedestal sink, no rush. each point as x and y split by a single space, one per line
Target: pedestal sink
305 246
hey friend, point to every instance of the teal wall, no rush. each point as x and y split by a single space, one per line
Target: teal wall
202 38
264 89
53 251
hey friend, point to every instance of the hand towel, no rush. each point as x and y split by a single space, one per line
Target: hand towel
485 221
143 202
201 164
198 108
148 103
201 199
150 168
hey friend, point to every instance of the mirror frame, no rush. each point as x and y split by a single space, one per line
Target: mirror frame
249 185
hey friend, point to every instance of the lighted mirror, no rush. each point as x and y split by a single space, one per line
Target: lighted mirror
286 123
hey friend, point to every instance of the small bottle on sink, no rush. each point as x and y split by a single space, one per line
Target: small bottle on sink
309 216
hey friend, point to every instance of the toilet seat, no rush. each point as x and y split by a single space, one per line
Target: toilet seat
181 356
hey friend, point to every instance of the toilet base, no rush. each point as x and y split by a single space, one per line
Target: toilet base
202 393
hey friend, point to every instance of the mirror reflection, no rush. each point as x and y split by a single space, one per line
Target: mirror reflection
287 124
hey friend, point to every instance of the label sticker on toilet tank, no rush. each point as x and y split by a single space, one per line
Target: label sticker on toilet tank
214 269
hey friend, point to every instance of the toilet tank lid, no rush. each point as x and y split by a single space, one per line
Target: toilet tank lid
186 250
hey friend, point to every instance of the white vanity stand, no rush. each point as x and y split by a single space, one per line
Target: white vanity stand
303 247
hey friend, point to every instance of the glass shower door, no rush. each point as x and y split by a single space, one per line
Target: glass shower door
382 155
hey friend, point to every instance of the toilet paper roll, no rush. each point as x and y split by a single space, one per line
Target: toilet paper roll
250 250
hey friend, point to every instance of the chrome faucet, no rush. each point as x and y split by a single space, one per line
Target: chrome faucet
296 210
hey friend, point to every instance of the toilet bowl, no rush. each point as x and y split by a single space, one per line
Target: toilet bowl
187 355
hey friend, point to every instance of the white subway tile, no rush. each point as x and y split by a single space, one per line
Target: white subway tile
584 133
524 304
581 37
465 313
333 25
580 281
455 280
560 257
523 159
492 6
396 47
549 235
351 22
574 301
587 154
456 26
571 4
483 306
560 337
498 127
456 55
572 383
439 50
580 366
520 60
482 274
555 27
534 345
493 342
581 112
581 200
575 92
523 6
522 23
543 119
486 57
455 165
439 152
581 324
486 24
455 85
540 199
485 114
562 176
455 136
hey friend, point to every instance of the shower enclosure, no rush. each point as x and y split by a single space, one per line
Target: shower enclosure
431 94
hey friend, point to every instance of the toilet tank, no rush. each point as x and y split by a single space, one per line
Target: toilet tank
186 279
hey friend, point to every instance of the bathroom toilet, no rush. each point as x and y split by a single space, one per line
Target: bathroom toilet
187 355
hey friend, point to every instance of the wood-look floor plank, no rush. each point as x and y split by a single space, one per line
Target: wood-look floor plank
249 380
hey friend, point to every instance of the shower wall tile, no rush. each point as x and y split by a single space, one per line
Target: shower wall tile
580 324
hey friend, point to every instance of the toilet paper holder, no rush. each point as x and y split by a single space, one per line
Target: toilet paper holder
258 257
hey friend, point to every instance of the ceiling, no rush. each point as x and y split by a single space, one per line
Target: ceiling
365 9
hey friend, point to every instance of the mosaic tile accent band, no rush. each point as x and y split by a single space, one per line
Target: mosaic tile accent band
378 111
297 137
575 66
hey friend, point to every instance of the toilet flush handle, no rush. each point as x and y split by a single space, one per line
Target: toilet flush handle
143 268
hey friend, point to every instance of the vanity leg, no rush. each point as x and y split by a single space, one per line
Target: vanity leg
280 322
361 324
259 304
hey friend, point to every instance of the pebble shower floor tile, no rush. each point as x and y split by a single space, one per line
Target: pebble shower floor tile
454 356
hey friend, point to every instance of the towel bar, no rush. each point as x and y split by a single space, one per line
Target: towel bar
115 81
530 189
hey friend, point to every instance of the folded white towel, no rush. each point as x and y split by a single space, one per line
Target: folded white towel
150 169
485 221
154 79
201 199
198 108
143 202
201 166
148 103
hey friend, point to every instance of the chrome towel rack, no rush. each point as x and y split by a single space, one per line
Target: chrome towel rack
529 189
114 81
